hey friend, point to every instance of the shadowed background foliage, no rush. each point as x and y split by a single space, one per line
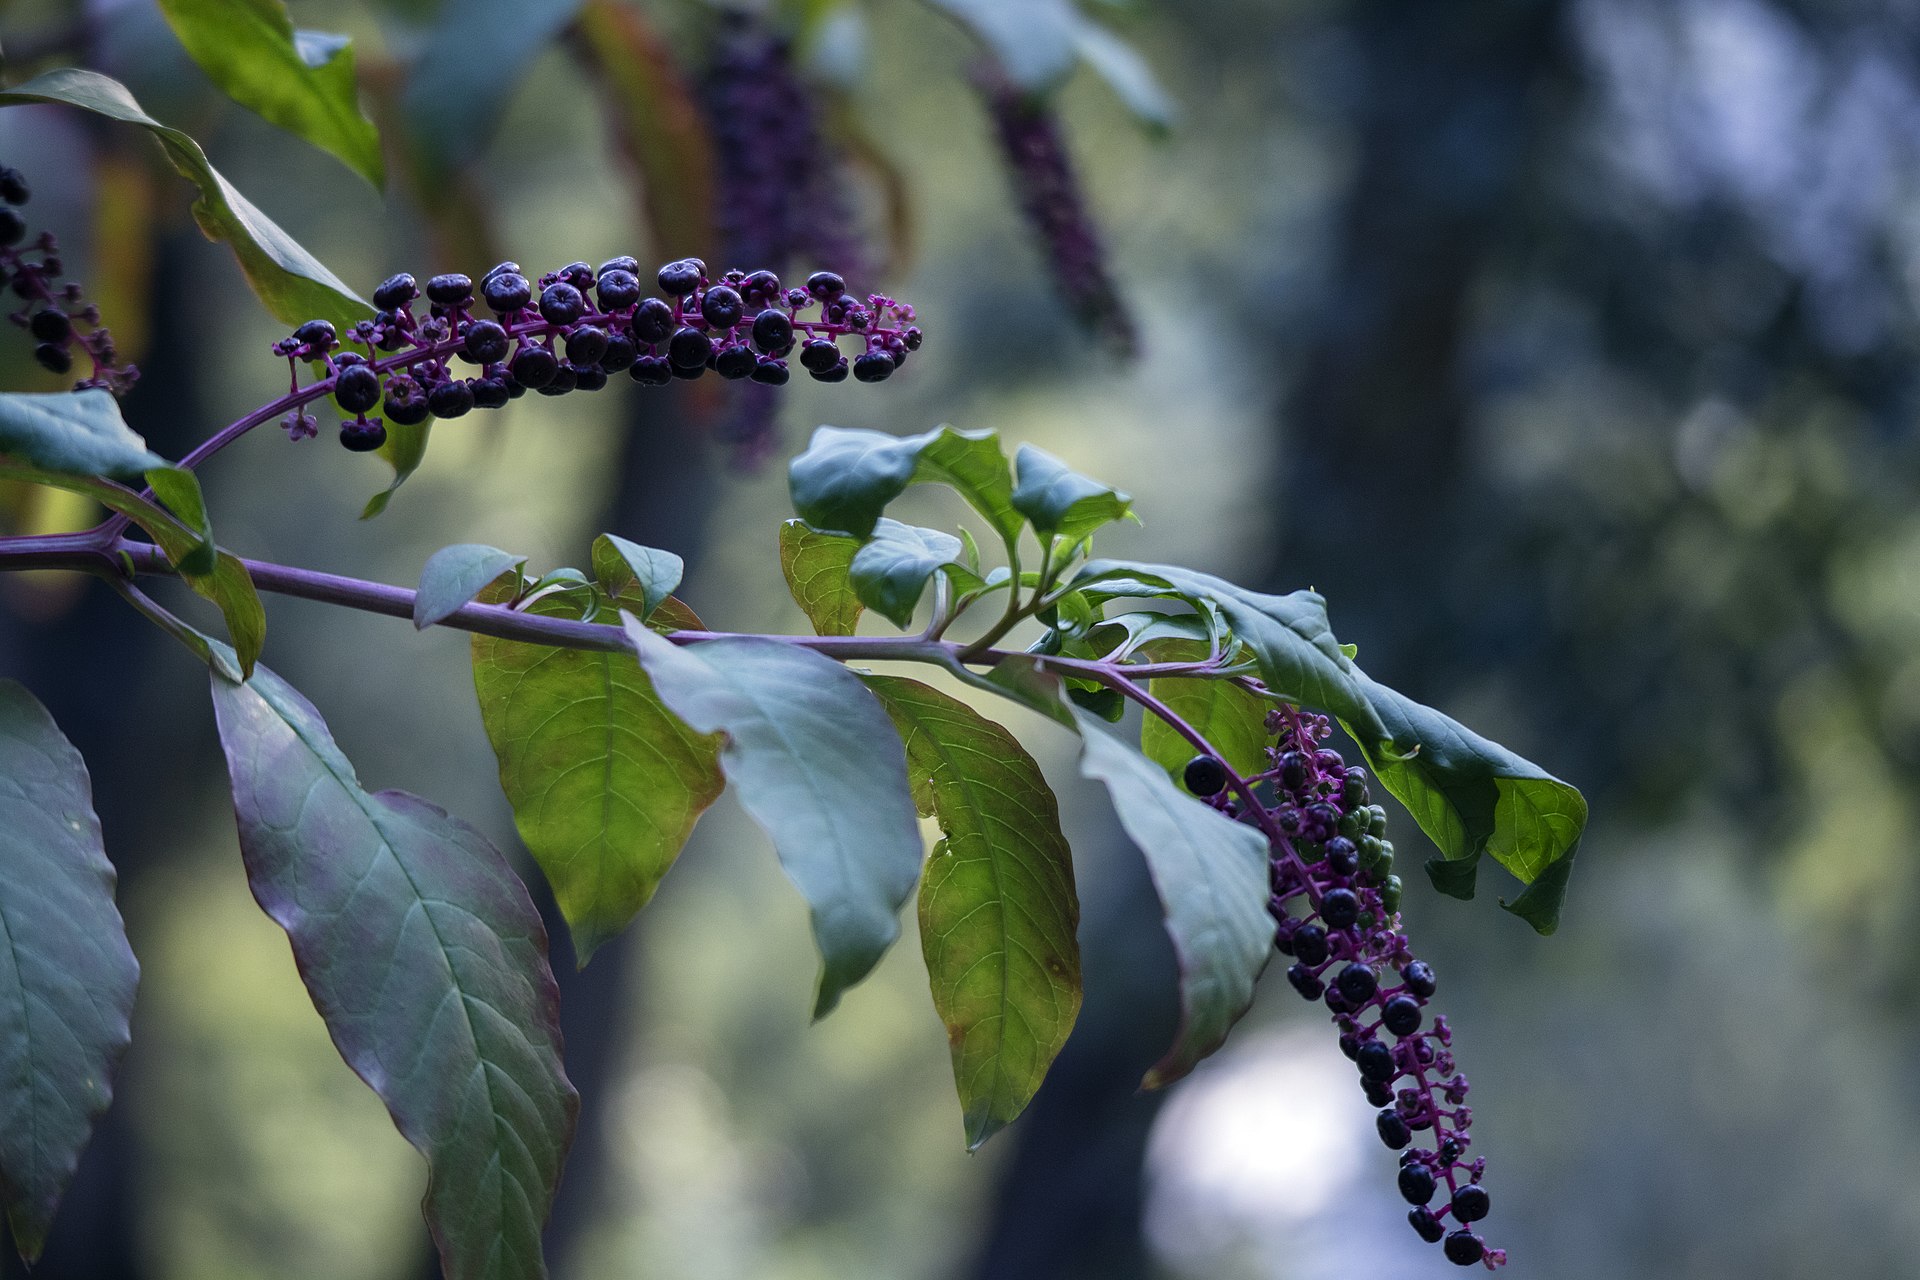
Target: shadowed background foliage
1567 345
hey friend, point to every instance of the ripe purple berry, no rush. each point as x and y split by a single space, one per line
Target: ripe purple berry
357 389
1392 1128
1305 982
53 357
735 360
651 371
561 303
689 349
617 289
619 354
819 355
405 404
1472 1203
449 290
489 393
450 399
535 367
363 435
826 285
1339 908
12 226
51 325
586 344
722 307
1463 1248
1401 1015
678 279
771 372
773 332
1310 944
588 377
1426 1224
653 321
13 186
1356 983
836 373
1375 1061
625 262
316 336
486 342
1416 1183
506 292
1419 979
1205 776
395 292
873 366
564 380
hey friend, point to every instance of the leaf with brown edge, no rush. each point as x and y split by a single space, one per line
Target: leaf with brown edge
998 912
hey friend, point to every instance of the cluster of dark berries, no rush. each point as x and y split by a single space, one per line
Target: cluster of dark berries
576 326
780 187
1037 162
1335 903
56 315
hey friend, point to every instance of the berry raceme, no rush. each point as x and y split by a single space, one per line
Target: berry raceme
56 316
571 329
1335 904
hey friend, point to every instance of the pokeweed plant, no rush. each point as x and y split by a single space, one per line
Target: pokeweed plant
617 718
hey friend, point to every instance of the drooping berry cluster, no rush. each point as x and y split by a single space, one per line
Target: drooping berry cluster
780 188
1042 173
1335 903
576 326
57 315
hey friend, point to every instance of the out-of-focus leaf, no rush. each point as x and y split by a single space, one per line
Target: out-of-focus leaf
427 961
1126 73
1211 875
291 282
606 784
818 568
472 60
302 81
1034 39
818 765
77 432
998 910
657 119
404 450
454 575
1473 796
67 976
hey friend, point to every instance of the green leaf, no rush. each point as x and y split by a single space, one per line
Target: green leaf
1289 636
454 575
623 566
1472 796
998 911
817 764
1211 875
67 975
846 478
452 104
404 451
76 432
890 571
427 961
818 568
180 490
606 784
1126 73
302 81
288 279
1226 715
1023 679
227 584
1062 503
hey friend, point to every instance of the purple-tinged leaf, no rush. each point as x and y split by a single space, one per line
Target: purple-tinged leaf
66 973
428 963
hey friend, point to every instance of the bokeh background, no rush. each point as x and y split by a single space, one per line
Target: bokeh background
1568 346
